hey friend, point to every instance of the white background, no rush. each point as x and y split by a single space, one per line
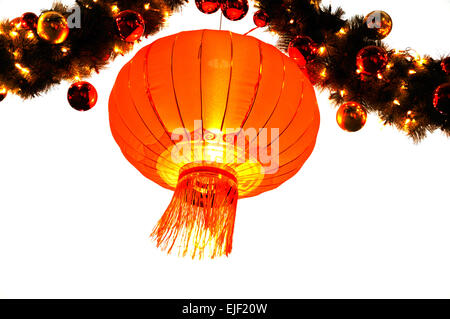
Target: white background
367 217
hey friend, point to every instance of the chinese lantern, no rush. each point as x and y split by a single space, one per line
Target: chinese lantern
214 116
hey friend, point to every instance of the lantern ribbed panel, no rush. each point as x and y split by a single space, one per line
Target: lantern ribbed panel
226 80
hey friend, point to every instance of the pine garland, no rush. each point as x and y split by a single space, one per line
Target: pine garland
30 65
403 97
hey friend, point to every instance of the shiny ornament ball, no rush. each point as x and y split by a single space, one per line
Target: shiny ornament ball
441 99
16 23
234 9
82 96
208 6
372 60
303 49
379 23
445 64
29 21
52 27
351 116
260 18
131 25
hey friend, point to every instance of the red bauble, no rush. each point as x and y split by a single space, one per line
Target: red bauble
303 49
208 6
82 96
351 116
234 9
16 22
372 60
441 99
446 65
131 25
260 18
29 21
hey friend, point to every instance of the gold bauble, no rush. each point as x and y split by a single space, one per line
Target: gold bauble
52 27
380 23
351 116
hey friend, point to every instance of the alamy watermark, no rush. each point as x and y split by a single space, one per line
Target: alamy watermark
232 146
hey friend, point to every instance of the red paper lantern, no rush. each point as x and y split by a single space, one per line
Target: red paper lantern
214 116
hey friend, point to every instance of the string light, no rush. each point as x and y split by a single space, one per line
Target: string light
396 102
342 31
147 6
412 72
409 121
13 34
322 50
380 76
115 8
22 69
323 73
30 35
118 50
342 93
